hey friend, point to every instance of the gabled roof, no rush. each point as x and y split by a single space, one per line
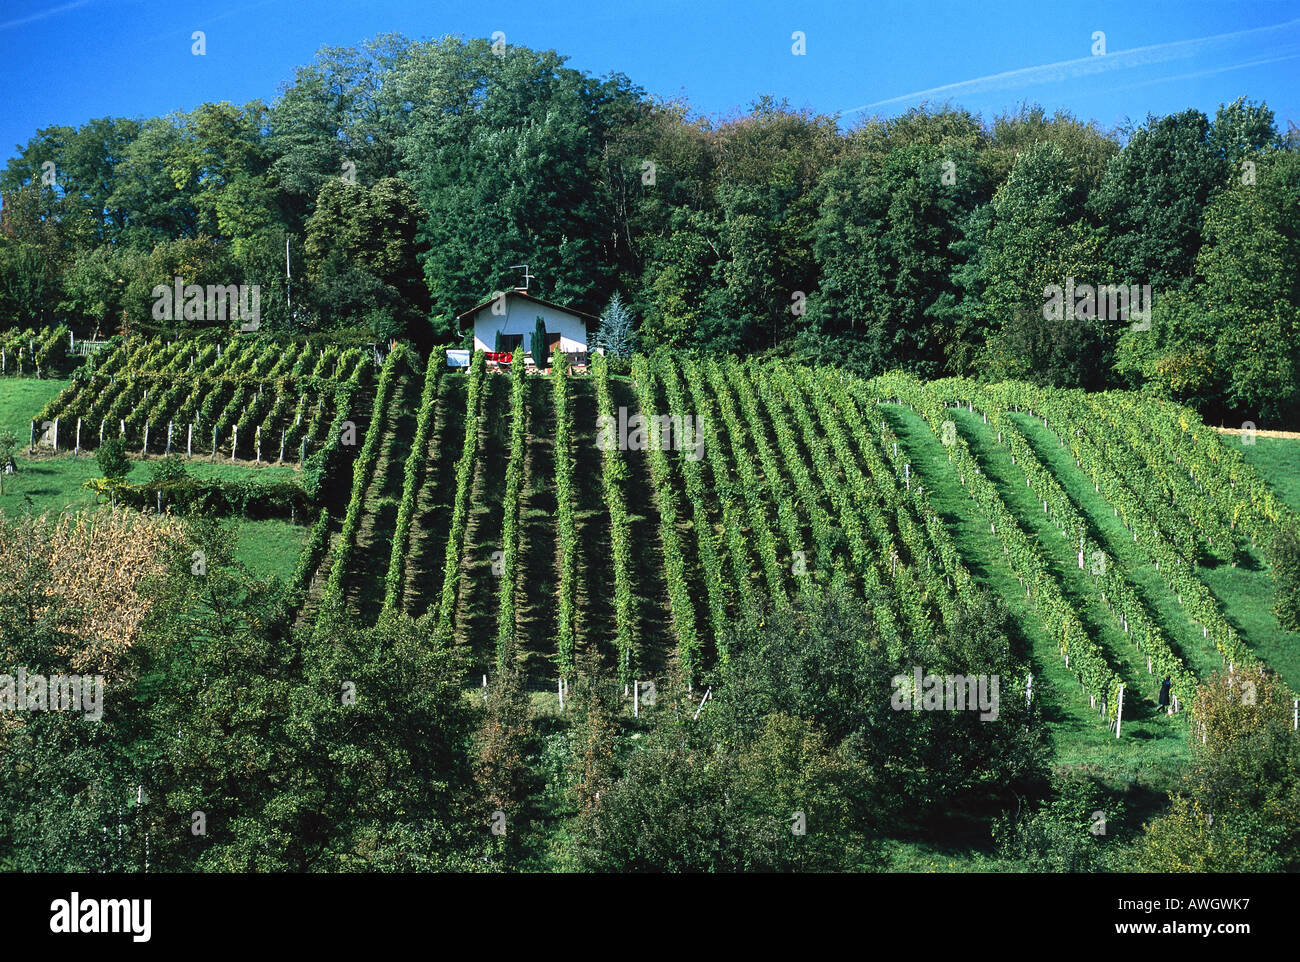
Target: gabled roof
517 292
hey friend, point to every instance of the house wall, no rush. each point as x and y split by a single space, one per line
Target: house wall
521 317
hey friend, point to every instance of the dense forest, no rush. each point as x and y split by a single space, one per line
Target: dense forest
401 179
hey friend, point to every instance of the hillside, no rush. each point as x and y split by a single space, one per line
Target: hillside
641 537
1120 532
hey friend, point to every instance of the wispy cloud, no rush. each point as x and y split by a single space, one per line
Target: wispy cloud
42 14
1087 66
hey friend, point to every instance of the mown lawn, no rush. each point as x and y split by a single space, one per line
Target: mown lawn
1246 591
56 484
1278 462
22 398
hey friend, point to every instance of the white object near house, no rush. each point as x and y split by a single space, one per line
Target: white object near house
514 314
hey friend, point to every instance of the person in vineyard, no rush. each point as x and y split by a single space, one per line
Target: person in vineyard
1165 687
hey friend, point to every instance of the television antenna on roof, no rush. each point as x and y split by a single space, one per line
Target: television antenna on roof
527 276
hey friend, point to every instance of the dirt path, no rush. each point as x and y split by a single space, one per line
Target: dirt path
1288 435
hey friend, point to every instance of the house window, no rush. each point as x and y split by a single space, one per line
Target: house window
509 343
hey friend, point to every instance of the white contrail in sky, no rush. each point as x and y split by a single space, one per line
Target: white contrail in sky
1082 66
1206 73
41 15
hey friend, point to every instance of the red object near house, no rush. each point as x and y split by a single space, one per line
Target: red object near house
499 357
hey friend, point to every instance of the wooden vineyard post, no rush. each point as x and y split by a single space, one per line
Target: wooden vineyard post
283 431
189 442
1295 718
559 687
259 444
1119 711
1029 689
485 689
145 450
214 443
77 450
169 439
234 442
102 422
636 698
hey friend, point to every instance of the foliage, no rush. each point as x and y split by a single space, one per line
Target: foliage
1285 557
112 459
1236 809
1066 832
616 334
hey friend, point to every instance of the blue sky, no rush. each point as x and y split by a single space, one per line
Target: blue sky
66 61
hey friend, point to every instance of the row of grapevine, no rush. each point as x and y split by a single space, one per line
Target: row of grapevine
927 542
698 495
1083 656
876 497
886 448
163 398
866 566
32 352
412 474
445 624
1216 464
1116 470
782 494
724 491
765 543
1107 576
1178 574
1175 482
362 471
242 358
565 521
679 596
309 559
510 513
614 480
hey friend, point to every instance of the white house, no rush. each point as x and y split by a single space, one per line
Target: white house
514 314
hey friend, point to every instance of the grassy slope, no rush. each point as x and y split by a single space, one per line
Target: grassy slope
22 398
1246 591
1079 736
1107 529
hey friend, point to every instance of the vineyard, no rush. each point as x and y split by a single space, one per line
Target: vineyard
246 399
729 490
31 353
642 516
596 558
